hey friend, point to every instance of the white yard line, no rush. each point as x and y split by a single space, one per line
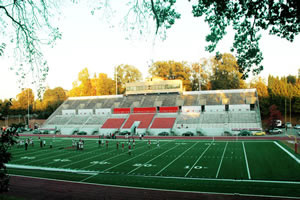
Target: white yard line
248 171
198 159
176 159
289 153
119 164
153 159
221 160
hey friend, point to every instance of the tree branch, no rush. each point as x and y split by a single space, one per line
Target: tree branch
156 16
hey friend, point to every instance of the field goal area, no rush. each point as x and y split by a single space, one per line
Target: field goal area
254 167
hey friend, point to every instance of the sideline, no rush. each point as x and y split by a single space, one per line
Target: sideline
289 153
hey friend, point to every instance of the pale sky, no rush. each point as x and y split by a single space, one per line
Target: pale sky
88 42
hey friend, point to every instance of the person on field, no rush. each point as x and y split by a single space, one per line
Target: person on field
26 144
122 146
149 144
41 143
157 143
106 144
99 143
44 143
117 145
129 149
31 142
133 143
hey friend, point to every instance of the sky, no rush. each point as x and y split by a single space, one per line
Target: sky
87 41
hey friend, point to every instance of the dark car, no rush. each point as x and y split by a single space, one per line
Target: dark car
188 134
244 133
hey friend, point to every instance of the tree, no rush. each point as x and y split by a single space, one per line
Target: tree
225 73
291 79
249 18
126 74
263 94
172 70
103 85
199 72
25 25
7 139
24 100
274 116
83 86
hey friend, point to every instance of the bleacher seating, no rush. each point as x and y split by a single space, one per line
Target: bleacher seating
96 120
163 123
113 123
168 109
121 110
145 120
77 120
145 110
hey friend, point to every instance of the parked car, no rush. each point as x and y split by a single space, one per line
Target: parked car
188 134
36 131
259 133
289 125
297 126
275 131
244 133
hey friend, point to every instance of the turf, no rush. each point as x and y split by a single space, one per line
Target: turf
246 167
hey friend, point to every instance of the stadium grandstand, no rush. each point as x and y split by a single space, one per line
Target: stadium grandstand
159 108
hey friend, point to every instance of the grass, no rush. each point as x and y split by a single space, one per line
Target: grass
245 167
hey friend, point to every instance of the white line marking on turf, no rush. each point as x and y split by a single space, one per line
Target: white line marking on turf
51 169
248 171
175 159
198 159
221 160
286 151
153 159
155 189
120 163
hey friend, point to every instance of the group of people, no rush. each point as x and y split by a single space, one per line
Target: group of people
78 144
25 143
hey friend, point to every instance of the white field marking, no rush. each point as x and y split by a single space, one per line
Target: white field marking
221 160
120 163
153 159
28 157
166 190
51 152
246 160
198 160
125 152
289 153
175 159
97 155
50 169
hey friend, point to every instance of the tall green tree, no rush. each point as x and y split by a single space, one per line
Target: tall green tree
171 70
126 74
225 73
248 19
263 95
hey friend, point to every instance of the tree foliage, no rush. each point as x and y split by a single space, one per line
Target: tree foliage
7 139
126 74
171 70
26 26
248 19
225 73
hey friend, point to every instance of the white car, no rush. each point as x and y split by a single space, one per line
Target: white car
297 126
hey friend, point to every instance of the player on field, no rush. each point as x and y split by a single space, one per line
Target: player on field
149 144
157 143
129 149
133 143
122 146
117 145
106 144
26 144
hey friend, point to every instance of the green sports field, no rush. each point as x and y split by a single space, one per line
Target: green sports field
264 168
